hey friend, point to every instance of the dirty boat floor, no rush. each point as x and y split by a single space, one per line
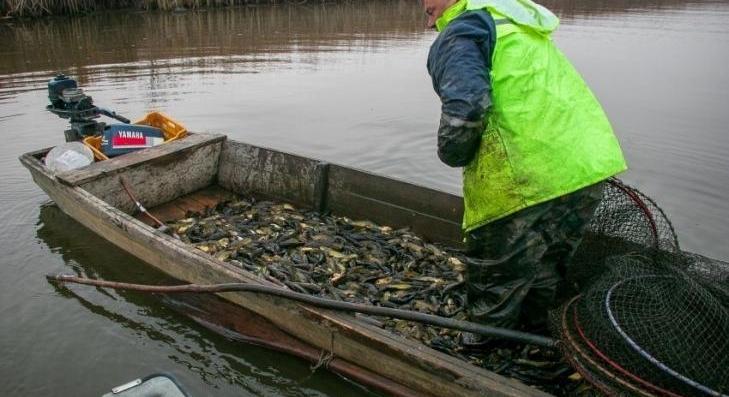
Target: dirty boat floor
240 324
196 202
529 364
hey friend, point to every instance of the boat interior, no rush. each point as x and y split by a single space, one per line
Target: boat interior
202 170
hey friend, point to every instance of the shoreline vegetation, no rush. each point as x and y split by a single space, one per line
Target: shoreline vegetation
38 8
28 9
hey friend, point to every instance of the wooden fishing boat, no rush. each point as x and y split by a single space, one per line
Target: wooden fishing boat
202 169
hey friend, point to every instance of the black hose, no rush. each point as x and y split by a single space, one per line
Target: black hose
409 315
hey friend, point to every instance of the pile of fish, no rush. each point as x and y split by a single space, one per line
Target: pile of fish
359 261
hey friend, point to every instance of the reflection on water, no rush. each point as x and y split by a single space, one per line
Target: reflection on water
239 40
343 82
570 9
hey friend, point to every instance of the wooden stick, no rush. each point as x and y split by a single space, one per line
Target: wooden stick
438 321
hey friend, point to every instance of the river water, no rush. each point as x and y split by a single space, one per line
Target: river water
341 82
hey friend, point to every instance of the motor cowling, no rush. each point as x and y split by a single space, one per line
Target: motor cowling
118 139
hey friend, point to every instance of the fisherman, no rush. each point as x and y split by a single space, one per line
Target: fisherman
535 145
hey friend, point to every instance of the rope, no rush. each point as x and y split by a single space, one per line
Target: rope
140 207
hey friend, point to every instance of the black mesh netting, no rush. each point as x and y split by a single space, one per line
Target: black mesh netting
625 222
651 320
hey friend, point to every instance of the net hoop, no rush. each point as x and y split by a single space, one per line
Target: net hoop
640 204
588 374
663 217
638 349
614 364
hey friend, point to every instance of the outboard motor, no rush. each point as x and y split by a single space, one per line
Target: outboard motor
68 101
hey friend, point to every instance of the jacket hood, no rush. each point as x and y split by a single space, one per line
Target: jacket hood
521 12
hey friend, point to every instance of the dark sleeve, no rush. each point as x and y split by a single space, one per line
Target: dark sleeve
459 64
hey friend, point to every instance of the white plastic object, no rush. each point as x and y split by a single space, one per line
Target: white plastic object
69 156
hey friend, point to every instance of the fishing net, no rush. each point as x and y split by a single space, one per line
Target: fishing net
626 222
651 319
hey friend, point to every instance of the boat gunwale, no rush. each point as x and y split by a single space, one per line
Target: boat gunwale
116 165
468 377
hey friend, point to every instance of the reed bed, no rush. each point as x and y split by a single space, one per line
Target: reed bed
35 8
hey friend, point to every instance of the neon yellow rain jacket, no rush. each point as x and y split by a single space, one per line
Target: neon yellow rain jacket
545 133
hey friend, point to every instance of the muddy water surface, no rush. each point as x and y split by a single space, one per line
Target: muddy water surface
344 83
